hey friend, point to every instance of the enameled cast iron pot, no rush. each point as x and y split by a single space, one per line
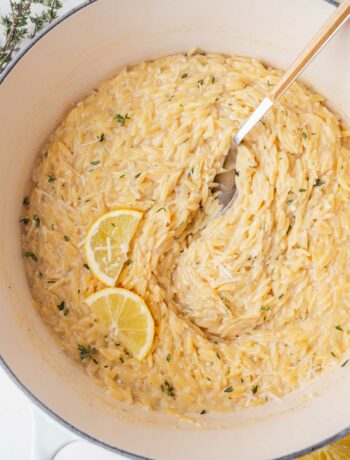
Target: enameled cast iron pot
59 68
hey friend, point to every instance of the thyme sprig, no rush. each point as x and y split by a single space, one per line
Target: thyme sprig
21 22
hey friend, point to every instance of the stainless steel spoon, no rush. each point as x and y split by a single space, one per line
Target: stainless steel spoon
226 179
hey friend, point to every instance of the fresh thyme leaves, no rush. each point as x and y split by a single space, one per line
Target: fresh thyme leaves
60 306
25 220
94 163
86 266
121 119
161 209
289 229
46 16
344 363
85 352
318 182
128 262
168 357
280 296
31 255
339 328
101 137
26 201
265 308
17 23
203 412
333 354
213 79
228 390
269 84
200 83
302 190
254 389
66 238
168 389
51 178
290 202
137 175
304 135
184 75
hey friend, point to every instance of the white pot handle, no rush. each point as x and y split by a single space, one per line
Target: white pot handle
48 436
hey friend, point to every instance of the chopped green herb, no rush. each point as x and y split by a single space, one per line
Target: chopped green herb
121 360
167 388
121 118
95 361
51 281
344 363
302 190
26 201
184 75
113 224
86 201
269 84
128 262
60 306
86 266
96 162
25 220
168 357
31 255
200 83
228 390
290 202
66 238
105 366
161 209
289 229
137 175
265 308
101 137
85 352
290 192
339 328
51 177
213 79
242 380
280 296
53 227
304 135
318 182
123 175
203 412
333 354
217 354
187 139
117 344
66 311
254 389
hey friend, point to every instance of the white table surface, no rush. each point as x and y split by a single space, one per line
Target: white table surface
15 408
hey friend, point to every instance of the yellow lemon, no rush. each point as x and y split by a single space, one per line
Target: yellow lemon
107 243
339 450
126 316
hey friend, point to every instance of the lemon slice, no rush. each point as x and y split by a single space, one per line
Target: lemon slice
127 316
107 243
339 450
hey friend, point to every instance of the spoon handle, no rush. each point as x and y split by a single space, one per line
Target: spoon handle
327 31
329 28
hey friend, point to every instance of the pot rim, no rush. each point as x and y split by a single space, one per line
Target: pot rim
11 373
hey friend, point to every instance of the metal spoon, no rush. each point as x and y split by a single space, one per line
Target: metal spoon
226 179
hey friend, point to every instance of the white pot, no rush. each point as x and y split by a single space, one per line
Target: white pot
60 68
